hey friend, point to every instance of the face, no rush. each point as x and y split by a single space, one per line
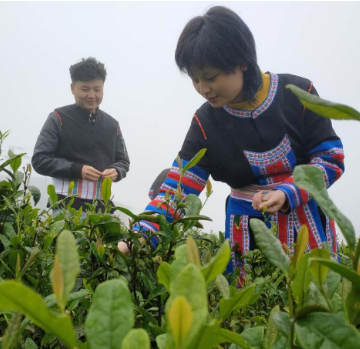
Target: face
88 94
217 86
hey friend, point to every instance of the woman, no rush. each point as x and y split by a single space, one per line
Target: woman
255 131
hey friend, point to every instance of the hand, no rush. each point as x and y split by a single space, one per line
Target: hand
123 248
274 201
89 173
111 173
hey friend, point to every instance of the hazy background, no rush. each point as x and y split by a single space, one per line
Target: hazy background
144 90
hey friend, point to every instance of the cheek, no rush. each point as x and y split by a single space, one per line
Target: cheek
196 87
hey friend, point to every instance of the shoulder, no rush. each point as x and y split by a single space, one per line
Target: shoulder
108 118
65 109
287 79
205 110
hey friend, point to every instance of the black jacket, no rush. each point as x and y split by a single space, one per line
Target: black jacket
69 140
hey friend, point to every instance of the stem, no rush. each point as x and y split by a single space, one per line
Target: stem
357 256
326 298
291 311
160 310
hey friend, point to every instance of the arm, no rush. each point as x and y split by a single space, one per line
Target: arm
45 160
122 162
193 182
325 151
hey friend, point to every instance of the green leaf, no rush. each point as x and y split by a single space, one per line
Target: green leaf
332 282
194 160
75 296
66 250
282 322
206 337
12 334
191 285
314 297
180 319
302 241
15 296
161 341
311 179
5 241
111 315
352 306
318 270
223 286
52 194
58 283
30 344
301 281
325 331
9 161
181 261
36 194
271 331
56 228
127 212
227 336
218 263
341 269
15 163
70 187
254 337
192 251
136 339
193 205
269 245
19 177
163 274
323 107
106 189
240 299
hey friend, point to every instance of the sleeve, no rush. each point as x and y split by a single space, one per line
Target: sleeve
155 187
325 151
193 181
122 161
45 160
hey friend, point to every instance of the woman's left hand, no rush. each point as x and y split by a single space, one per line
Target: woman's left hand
273 200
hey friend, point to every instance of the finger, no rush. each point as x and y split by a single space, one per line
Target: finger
93 177
268 203
96 172
256 200
273 209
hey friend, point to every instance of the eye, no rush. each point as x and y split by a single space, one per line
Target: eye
195 81
212 79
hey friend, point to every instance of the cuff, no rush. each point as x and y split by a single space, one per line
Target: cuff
75 170
292 196
153 241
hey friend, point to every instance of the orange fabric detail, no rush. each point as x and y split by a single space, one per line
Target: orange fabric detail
202 129
59 117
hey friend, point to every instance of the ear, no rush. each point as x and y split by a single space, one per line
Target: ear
244 67
72 86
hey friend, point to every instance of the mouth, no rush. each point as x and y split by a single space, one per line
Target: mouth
212 99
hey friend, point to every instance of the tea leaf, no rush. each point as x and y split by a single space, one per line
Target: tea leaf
271 333
254 336
223 286
227 336
193 205
163 274
282 322
58 283
206 338
301 245
30 344
301 281
52 194
36 194
136 339
106 189
317 270
194 160
192 251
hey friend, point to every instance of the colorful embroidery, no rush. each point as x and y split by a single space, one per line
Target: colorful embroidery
274 82
278 160
84 189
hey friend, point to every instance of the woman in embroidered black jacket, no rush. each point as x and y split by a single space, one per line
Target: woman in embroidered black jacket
255 131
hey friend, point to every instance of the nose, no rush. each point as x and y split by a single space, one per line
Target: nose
204 88
91 94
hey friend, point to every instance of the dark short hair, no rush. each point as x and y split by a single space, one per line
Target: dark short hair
220 39
88 69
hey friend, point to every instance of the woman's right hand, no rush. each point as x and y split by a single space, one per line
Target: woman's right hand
123 248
